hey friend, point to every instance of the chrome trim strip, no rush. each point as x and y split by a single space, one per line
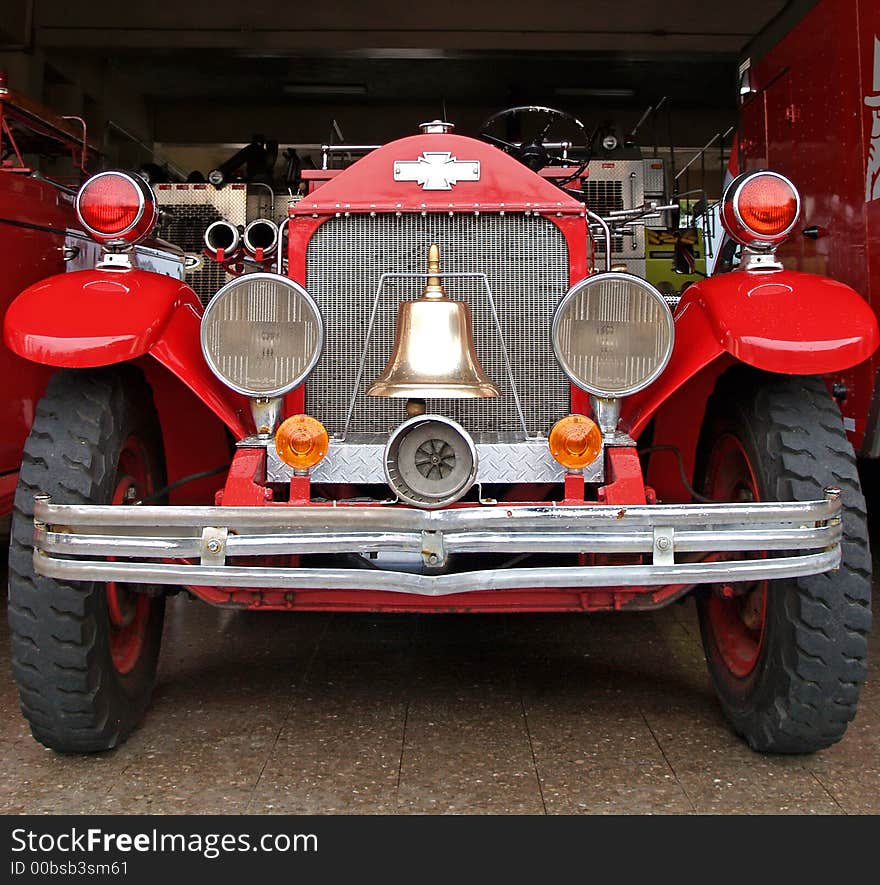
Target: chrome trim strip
606 232
664 531
513 518
276 543
440 585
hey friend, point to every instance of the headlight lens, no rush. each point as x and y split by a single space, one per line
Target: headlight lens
262 334
613 334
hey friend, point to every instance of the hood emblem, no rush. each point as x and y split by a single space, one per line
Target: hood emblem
437 170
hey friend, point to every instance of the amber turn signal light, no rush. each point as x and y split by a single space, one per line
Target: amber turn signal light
301 442
575 441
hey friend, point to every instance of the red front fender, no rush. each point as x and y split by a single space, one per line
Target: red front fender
94 318
785 322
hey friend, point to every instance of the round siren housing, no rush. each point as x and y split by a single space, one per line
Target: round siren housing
117 208
262 334
430 461
613 334
760 209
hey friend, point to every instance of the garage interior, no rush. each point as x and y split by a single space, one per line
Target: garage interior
341 713
195 84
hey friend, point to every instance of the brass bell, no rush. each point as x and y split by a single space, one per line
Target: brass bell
433 354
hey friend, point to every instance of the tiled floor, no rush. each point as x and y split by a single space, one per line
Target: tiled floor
359 713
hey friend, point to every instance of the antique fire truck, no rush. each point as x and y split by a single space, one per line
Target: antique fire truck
431 397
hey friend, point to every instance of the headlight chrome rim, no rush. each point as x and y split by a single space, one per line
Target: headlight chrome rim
310 303
573 293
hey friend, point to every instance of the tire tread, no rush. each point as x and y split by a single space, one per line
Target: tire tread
804 446
64 689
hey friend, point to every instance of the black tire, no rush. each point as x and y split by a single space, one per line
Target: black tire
72 693
811 660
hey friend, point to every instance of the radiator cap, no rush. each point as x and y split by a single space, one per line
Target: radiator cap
436 126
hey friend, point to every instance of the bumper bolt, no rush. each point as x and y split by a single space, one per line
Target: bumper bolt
214 545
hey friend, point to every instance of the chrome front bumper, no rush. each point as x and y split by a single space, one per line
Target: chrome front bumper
675 541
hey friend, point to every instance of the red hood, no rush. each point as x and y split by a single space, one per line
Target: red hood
503 183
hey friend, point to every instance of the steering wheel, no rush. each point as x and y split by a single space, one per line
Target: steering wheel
538 151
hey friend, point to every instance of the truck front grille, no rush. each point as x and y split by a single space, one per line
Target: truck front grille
525 259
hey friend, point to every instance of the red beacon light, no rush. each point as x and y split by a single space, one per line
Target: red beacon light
117 208
760 209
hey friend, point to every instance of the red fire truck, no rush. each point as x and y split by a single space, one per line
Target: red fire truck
434 398
43 160
811 110
37 221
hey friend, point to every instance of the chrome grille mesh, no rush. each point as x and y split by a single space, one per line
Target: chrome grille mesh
525 259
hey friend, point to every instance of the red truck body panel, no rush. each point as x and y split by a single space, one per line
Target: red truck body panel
812 119
34 216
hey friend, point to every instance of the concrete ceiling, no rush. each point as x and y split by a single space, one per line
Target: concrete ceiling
638 26
196 64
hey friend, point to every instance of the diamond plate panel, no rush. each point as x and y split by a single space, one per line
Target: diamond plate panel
195 207
513 462
617 184
359 461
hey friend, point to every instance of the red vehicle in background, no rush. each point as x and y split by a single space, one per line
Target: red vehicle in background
38 236
434 399
811 110
43 160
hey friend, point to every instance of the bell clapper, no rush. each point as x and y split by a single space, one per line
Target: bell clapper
415 407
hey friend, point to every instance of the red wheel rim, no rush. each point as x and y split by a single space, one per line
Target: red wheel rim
128 612
736 613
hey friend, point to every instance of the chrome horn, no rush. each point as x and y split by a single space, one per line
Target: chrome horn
433 354
261 235
222 237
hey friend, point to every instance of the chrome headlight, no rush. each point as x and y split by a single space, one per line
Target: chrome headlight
262 334
613 334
